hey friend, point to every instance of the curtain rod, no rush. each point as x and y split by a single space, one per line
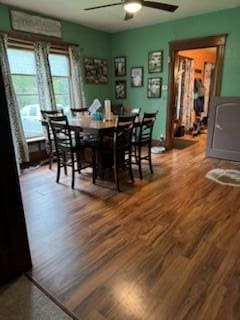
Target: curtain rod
29 39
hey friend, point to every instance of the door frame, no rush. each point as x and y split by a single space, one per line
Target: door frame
217 41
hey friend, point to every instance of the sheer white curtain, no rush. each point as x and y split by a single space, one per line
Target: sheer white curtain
78 96
20 144
44 78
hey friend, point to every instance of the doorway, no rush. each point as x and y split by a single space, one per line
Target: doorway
194 79
195 75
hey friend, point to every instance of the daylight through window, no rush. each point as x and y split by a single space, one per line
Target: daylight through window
24 75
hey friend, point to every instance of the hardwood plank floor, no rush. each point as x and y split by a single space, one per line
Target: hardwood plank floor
167 248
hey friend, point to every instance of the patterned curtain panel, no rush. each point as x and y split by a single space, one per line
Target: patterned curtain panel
179 87
186 103
208 72
45 84
20 144
78 96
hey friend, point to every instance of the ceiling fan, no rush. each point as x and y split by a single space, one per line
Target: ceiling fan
133 6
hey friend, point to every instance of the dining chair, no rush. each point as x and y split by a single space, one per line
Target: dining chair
129 111
117 109
142 140
49 140
80 112
136 111
77 111
68 151
122 146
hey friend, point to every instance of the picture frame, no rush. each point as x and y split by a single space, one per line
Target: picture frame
120 66
137 76
96 70
154 88
25 21
121 89
155 61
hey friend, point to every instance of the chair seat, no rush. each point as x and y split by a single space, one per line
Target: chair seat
78 146
138 142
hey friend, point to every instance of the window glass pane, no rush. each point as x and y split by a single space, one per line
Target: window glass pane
59 65
61 85
26 101
25 84
62 93
62 101
22 61
30 115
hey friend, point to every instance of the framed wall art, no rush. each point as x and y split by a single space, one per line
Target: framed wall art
155 61
33 23
120 65
136 77
121 89
154 87
96 70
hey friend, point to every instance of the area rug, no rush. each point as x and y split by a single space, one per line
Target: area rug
227 177
22 300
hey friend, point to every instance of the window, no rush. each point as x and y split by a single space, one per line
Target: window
60 71
23 69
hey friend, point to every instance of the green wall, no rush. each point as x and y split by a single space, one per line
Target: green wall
92 43
135 45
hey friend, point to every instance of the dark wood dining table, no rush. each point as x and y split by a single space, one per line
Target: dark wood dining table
98 128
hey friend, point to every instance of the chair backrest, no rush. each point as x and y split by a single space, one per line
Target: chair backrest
146 127
136 111
61 132
123 130
46 128
77 111
117 109
46 113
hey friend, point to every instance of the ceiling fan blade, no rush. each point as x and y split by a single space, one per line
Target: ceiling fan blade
160 6
128 16
105 6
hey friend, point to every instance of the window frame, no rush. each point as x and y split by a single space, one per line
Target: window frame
61 50
37 94
66 54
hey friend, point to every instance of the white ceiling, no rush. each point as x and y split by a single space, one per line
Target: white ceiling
111 19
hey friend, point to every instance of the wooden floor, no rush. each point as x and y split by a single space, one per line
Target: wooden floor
167 248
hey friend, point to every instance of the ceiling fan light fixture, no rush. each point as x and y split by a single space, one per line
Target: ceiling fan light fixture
132 6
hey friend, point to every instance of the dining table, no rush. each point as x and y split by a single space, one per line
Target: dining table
98 128
101 130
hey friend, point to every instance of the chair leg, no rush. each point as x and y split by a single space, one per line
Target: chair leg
78 162
140 162
50 161
150 159
135 152
94 174
73 171
116 177
58 169
65 161
130 166
51 156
